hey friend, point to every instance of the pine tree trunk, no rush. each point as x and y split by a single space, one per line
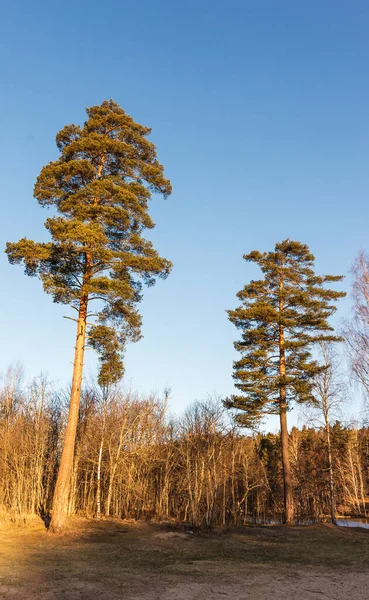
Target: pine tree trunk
61 494
287 480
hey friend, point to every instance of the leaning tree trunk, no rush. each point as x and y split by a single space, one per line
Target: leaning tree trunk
61 494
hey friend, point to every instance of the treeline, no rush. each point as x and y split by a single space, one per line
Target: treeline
109 453
133 461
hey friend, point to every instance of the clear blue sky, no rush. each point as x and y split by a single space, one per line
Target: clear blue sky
260 114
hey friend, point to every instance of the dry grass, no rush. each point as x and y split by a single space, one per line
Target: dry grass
111 560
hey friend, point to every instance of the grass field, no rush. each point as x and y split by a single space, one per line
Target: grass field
111 560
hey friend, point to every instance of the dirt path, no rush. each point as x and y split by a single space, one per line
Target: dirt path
269 585
111 561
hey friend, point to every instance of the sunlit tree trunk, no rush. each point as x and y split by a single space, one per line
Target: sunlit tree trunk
61 494
98 490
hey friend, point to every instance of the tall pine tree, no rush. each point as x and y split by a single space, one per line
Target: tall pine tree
281 317
97 259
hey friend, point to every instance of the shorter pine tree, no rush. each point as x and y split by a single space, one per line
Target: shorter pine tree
281 317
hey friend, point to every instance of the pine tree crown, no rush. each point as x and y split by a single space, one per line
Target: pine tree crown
99 188
289 307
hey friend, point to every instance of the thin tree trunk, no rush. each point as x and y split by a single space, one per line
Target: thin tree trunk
61 494
98 491
331 478
73 485
354 479
113 467
360 473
